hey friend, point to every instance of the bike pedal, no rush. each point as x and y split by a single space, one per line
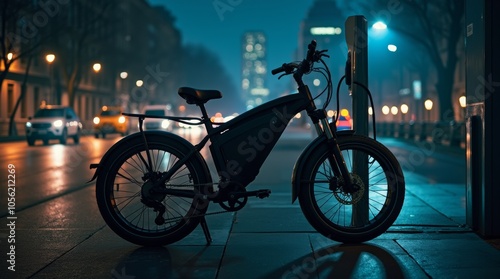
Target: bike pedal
263 193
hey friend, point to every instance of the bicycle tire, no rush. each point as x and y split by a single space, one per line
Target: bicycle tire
335 214
119 184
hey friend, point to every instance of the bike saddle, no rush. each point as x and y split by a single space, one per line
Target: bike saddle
197 96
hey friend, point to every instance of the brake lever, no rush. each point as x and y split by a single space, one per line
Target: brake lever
320 53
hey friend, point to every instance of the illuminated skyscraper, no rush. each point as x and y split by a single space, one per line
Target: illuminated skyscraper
324 23
254 69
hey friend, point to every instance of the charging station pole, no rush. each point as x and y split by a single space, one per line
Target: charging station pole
356 33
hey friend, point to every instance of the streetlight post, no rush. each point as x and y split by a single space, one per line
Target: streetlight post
50 58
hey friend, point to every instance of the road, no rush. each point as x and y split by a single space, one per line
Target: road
59 233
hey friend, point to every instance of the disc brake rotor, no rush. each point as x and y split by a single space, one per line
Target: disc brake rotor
351 198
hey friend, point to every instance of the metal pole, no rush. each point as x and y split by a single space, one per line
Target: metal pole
357 41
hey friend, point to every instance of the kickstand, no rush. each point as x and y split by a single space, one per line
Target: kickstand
204 226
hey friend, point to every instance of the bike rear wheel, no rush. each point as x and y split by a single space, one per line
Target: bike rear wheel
358 217
122 178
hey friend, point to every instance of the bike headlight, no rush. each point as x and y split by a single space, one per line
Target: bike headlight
57 123
121 119
28 124
96 120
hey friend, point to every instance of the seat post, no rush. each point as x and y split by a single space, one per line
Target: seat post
205 118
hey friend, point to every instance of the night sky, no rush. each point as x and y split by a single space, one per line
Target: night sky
220 24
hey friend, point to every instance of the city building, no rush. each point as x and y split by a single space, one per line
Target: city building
86 56
324 22
254 69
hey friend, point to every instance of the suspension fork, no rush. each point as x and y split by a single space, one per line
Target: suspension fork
335 157
318 116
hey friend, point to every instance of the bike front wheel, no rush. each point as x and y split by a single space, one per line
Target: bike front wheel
120 191
360 216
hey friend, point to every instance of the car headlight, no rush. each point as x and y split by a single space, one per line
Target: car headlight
96 120
164 124
28 124
121 119
57 123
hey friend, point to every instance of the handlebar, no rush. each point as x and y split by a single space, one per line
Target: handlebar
305 65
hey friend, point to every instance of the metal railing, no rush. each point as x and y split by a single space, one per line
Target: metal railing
445 133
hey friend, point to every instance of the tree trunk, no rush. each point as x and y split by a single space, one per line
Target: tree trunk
444 90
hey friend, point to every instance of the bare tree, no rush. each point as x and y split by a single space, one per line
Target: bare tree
88 25
23 32
437 26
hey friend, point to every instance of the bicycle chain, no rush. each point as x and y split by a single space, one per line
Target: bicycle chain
196 216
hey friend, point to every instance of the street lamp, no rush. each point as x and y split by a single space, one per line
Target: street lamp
379 25
428 106
10 55
96 67
50 58
394 110
404 110
463 102
385 110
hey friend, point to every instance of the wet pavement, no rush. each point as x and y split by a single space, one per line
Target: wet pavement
65 237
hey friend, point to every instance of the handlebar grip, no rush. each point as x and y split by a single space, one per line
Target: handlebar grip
278 70
311 49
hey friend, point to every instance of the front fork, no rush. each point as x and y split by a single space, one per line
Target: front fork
335 158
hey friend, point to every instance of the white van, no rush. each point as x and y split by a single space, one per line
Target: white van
157 123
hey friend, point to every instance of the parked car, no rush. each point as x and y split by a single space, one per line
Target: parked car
156 123
53 122
109 121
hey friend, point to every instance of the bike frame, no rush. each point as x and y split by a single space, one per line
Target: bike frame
240 146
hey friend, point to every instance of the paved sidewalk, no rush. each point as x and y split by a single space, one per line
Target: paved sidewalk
269 238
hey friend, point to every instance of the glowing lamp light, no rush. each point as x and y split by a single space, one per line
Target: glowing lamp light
394 110
404 108
50 58
96 67
385 110
379 25
392 48
463 101
428 104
